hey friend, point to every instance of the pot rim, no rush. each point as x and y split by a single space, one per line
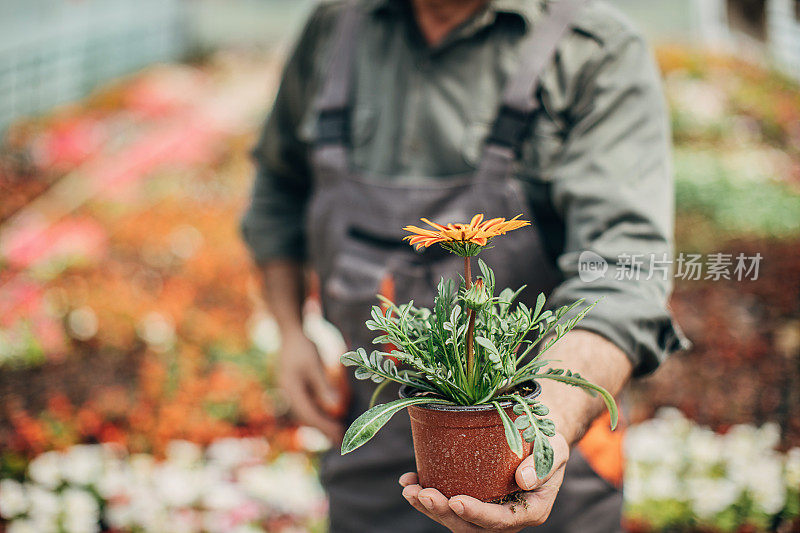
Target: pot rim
407 391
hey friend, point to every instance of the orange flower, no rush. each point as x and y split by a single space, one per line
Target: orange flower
477 232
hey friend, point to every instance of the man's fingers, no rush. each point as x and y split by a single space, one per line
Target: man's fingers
434 505
410 493
526 472
307 412
409 478
486 515
324 391
439 509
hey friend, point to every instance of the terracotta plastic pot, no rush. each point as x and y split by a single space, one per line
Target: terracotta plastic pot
463 449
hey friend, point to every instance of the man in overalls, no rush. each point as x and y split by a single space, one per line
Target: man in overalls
393 110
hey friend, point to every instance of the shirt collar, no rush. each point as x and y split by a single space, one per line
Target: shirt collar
528 10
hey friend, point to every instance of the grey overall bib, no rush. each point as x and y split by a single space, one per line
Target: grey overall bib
354 244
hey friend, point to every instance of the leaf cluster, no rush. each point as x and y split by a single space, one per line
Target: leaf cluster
509 340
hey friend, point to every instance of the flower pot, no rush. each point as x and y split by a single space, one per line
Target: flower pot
462 449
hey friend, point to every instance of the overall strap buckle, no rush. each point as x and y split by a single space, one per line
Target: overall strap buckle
510 127
333 126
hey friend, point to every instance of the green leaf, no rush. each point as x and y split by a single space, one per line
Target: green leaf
370 422
542 456
540 409
486 343
491 350
355 358
546 426
522 421
512 433
539 305
588 386
529 434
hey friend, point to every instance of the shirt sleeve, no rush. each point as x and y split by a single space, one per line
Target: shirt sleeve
613 189
273 224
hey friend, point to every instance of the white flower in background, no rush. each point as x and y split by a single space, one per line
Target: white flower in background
655 441
82 464
80 511
663 484
217 522
769 435
13 499
264 333
248 528
633 489
184 454
178 487
157 330
223 496
312 439
82 323
286 485
45 469
711 496
185 521
744 442
793 468
763 477
115 481
231 452
44 508
704 447
141 467
23 526
119 515
145 510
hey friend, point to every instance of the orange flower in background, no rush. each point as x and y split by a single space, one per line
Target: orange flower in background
476 233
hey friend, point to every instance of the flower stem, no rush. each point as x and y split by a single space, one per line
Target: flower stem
470 346
471 325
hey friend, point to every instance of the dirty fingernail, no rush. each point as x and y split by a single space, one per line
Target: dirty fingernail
529 477
427 502
457 506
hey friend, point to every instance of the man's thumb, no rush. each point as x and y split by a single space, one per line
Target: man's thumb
526 474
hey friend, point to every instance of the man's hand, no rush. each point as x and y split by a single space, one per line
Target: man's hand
311 395
301 375
463 514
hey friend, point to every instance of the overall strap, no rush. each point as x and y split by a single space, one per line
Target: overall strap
519 98
333 103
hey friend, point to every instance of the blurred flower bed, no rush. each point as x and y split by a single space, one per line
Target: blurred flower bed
737 162
681 476
737 137
236 485
129 315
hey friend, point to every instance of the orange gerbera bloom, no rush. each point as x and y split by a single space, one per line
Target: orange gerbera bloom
477 232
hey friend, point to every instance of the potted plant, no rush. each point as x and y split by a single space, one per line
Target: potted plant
469 369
